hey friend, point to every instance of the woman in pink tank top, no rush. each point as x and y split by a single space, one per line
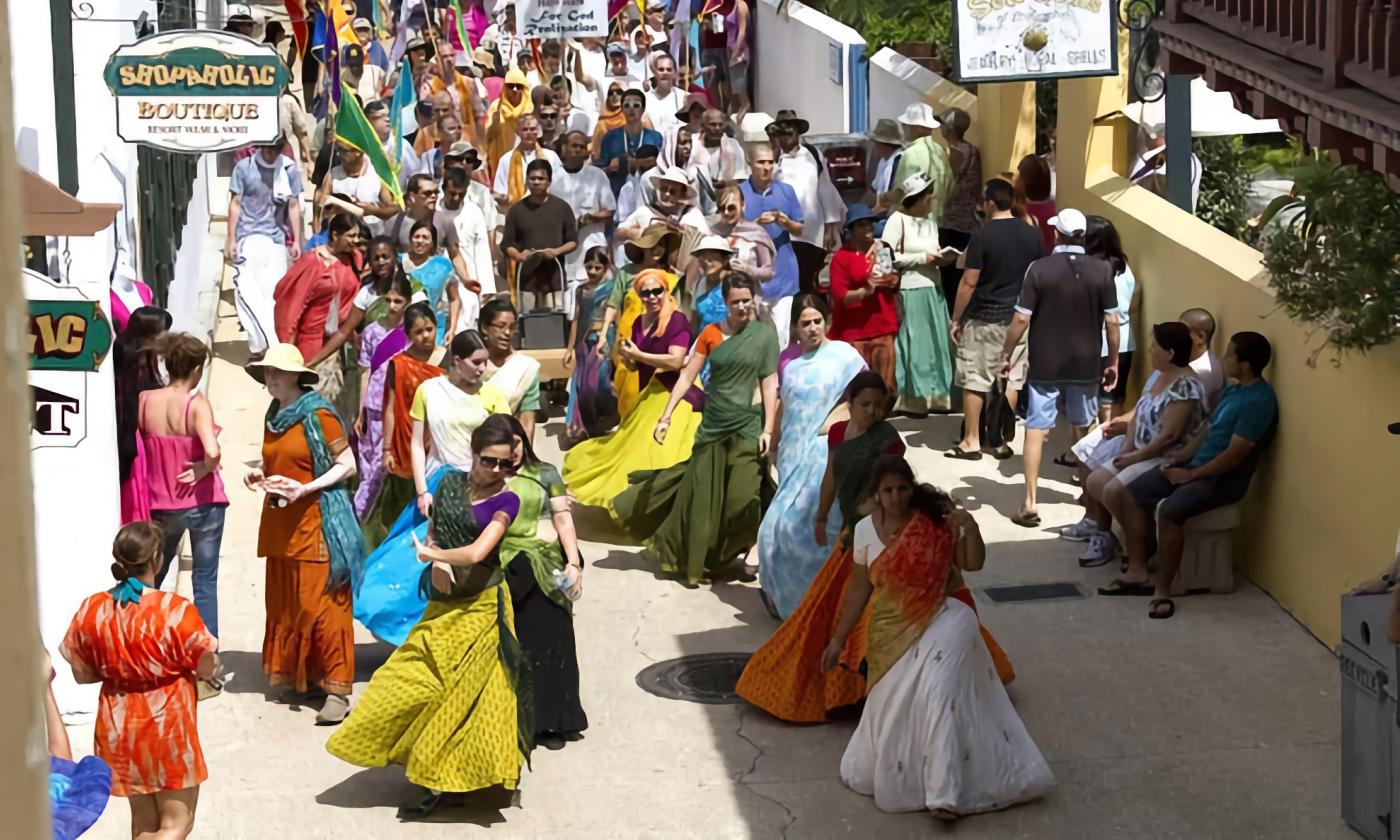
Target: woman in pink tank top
182 468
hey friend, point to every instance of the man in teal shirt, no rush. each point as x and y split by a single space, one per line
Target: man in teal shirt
922 153
1211 471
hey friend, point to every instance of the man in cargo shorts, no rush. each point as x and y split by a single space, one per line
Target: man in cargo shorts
997 258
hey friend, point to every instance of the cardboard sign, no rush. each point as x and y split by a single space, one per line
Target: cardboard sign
196 91
1017 40
561 18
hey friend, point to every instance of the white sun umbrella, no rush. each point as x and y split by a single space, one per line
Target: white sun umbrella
1213 114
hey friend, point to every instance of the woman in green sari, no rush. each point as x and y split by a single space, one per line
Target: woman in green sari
699 516
544 570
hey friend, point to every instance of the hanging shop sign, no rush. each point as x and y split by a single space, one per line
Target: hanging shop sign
562 18
1018 40
69 337
69 334
196 90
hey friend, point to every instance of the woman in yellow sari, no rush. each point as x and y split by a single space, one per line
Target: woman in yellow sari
938 732
503 114
655 248
653 349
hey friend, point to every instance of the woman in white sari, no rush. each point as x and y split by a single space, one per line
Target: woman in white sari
938 731
514 374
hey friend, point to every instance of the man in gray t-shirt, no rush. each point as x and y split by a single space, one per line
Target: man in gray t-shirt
264 235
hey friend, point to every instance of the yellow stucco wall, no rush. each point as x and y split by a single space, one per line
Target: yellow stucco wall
1322 513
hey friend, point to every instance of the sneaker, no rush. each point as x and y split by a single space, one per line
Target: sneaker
333 711
1099 552
1080 531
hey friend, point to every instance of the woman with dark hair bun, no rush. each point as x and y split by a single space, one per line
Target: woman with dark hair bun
812 397
1167 415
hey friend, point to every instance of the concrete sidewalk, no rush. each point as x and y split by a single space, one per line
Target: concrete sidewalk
1220 723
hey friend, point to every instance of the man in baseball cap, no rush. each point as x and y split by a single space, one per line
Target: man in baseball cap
1069 302
240 21
374 51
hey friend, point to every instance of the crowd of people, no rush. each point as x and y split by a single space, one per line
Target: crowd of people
738 336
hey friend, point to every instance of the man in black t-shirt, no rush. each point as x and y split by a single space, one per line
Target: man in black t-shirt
994 268
539 231
1069 301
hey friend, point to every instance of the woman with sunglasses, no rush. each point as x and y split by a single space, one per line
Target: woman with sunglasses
445 414
754 252
502 116
610 116
445 705
544 570
631 149
655 249
697 518
596 470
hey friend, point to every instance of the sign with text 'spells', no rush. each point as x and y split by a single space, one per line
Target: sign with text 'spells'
196 90
1010 40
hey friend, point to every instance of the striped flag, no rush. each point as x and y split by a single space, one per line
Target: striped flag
354 130
342 22
404 98
296 14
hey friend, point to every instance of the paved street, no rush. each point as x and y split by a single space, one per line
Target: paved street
1221 723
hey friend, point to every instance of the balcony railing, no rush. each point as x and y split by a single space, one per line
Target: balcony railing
1352 42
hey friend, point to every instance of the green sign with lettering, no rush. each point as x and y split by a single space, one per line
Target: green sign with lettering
67 335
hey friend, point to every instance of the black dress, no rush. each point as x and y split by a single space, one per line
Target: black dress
546 633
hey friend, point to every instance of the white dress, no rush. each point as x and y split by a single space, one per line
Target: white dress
938 730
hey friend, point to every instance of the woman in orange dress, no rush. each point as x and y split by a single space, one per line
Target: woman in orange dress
146 647
416 364
313 545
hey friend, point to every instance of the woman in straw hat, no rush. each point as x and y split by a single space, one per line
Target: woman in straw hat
923 358
313 546
655 249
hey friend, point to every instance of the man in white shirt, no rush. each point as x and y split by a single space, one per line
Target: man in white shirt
464 158
664 99
675 208
655 23
822 208
527 149
719 159
474 240
586 190
367 80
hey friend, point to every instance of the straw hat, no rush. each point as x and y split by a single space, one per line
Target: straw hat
653 235
676 175
887 132
283 357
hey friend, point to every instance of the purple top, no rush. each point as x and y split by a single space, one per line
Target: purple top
388 347
677 334
503 502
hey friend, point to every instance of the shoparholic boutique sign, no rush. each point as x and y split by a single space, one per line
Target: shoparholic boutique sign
1009 40
196 91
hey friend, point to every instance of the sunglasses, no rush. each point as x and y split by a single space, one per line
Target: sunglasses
651 293
547 115
495 464
729 208
427 193
614 94
515 87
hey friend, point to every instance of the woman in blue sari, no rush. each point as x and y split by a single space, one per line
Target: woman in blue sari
433 275
812 397
592 408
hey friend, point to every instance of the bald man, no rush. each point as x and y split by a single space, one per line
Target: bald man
718 159
1204 363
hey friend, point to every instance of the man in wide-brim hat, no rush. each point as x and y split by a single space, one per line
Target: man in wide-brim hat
923 153
785 119
885 142
802 167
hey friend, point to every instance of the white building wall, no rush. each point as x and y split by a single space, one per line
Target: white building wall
76 495
793 65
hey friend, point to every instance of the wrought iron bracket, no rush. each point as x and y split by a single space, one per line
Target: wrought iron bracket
1146 80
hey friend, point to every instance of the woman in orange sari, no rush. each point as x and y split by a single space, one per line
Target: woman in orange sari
146 647
938 731
404 373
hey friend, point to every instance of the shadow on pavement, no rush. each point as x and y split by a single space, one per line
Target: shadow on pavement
386 787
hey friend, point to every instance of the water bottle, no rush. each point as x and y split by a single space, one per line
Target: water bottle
561 582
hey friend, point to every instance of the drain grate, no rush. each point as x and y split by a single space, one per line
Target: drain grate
1034 592
707 678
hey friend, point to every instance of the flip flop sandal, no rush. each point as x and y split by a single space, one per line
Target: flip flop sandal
1064 461
962 454
1027 520
1128 589
1158 602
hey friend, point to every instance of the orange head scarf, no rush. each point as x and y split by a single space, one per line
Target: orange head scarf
668 301
608 119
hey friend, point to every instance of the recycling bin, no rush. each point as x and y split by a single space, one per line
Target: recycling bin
1370 727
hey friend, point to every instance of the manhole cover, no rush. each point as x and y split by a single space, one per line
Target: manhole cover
1033 592
700 678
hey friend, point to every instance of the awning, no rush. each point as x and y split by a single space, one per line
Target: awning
49 211
1213 114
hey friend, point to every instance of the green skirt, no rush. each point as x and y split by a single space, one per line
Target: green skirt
448 705
395 494
923 357
700 515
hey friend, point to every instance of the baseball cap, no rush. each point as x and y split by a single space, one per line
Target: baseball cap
1069 222
237 10
617 47
362 23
